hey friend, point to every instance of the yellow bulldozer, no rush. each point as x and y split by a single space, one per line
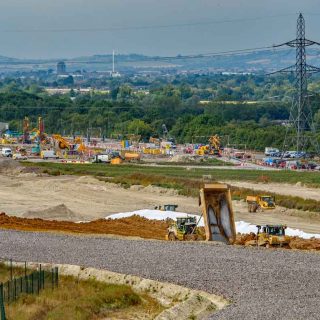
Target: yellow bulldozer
260 203
218 218
184 228
272 236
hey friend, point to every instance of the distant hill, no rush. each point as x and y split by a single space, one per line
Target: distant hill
253 62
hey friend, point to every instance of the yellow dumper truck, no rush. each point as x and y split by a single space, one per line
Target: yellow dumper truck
260 203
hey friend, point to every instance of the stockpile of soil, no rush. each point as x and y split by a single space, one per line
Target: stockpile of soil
244 239
9 166
134 226
303 244
60 212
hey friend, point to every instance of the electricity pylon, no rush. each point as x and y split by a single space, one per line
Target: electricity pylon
301 118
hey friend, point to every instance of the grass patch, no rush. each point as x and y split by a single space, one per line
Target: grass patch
201 162
5 272
311 179
82 300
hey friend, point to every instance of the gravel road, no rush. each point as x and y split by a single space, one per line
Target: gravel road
263 284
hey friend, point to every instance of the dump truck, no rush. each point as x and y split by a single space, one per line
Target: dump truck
216 206
217 214
260 203
272 236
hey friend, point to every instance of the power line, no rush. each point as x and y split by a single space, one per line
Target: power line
145 27
167 58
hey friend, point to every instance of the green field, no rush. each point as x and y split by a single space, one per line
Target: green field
308 178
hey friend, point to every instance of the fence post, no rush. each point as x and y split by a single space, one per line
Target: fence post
2 310
15 289
25 268
8 291
40 277
32 283
52 278
57 277
26 280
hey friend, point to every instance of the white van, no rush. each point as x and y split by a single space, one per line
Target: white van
6 152
48 154
102 158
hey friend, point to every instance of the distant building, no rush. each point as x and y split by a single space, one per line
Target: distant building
61 68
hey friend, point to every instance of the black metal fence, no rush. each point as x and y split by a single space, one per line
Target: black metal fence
32 282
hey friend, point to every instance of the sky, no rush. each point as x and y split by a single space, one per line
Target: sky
74 28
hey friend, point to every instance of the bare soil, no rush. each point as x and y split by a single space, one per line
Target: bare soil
72 198
80 198
134 226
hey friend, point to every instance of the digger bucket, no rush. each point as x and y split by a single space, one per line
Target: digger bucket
216 205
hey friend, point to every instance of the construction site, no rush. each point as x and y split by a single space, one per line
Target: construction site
140 226
89 221
103 205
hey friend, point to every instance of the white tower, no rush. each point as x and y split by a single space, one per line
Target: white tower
114 74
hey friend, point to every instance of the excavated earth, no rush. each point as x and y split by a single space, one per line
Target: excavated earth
134 226
261 284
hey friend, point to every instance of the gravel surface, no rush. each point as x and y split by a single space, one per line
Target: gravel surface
264 284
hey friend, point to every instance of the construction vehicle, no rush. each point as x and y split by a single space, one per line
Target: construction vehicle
272 236
6 152
202 150
215 145
185 228
217 213
26 131
40 135
35 150
62 142
102 158
260 203
155 141
167 207
132 156
48 154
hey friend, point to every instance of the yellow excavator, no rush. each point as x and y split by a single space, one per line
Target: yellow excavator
215 145
65 144
62 142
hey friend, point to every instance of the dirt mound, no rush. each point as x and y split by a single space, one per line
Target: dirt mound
183 158
60 212
303 244
9 166
160 190
244 239
132 226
